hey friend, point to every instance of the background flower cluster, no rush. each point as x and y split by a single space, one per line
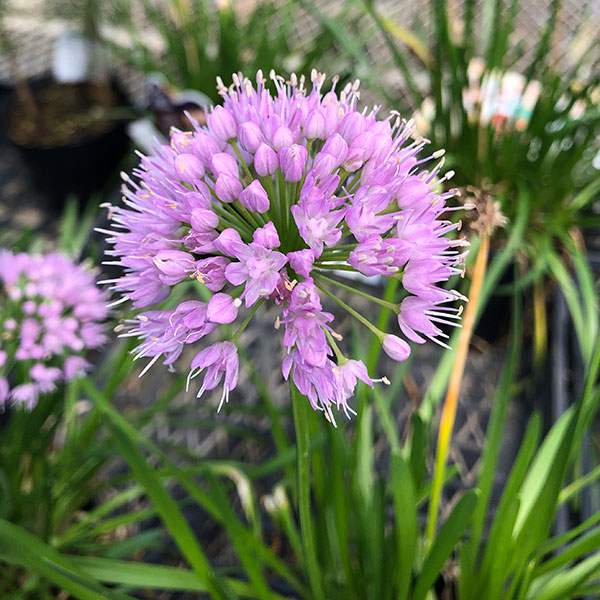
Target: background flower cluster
51 312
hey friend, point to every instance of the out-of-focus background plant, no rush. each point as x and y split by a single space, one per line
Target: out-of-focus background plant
119 487
195 44
518 121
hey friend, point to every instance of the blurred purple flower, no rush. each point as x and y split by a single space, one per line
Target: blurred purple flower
50 313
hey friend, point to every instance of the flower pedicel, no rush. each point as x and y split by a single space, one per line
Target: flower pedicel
264 204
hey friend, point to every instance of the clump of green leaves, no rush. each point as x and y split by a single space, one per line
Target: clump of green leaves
552 154
366 519
545 175
368 516
201 42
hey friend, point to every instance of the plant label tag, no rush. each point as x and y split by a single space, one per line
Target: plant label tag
71 58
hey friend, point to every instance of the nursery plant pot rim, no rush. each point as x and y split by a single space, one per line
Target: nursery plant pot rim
42 81
80 167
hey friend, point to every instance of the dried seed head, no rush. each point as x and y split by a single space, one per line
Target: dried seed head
486 215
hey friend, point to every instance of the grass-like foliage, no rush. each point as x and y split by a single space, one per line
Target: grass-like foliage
193 43
545 157
364 535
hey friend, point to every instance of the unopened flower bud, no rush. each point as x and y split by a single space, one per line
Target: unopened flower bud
250 136
396 348
301 261
414 194
282 138
174 265
383 140
221 123
267 236
229 242
224 164
354 159
324 164
255 198
366 141
314 125
336 146
351 125
329 184
188 168
205 147
203 220
265 160
227 188
196 199
330 112
293 161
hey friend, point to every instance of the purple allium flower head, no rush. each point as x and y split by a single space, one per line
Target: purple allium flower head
283 190
51 312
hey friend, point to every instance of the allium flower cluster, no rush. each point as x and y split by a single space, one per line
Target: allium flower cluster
272 200
51 312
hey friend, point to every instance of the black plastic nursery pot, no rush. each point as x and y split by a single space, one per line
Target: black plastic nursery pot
6 94
79 167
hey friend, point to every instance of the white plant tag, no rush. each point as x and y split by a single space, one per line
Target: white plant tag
71 58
